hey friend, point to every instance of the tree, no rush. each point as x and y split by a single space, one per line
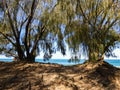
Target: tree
91 26
25 31
28 27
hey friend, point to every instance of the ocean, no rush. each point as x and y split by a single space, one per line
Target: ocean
114 62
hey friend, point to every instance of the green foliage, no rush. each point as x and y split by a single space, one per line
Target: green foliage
27 29
87 26
92 27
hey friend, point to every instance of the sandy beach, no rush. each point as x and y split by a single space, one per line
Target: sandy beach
38 76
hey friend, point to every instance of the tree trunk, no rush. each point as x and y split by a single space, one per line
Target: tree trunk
93 56
22 57
30 58
20 53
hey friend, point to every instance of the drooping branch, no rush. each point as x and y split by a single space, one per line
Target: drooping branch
8 38
112 23
40 34
16 25
85 17
11 23
28 25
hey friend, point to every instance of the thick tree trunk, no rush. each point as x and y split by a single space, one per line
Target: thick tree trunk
23 58
20 55
30 58
93 55
19 51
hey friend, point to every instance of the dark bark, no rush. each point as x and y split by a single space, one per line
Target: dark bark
40 34
30 58
25 53
27 27
20 52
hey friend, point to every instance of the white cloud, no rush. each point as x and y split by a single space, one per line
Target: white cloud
117 53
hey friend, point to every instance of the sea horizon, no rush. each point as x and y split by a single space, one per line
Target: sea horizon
114 62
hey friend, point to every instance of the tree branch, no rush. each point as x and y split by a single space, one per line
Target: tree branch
11 23
40 34
28 24
22 23
8 39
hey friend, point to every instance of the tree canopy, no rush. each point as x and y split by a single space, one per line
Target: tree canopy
90 26
86 26
95 30
25 31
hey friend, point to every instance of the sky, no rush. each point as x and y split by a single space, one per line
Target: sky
117 53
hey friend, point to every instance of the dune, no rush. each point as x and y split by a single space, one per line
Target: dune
39 76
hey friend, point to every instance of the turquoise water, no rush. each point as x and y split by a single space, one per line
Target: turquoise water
114 62
60 61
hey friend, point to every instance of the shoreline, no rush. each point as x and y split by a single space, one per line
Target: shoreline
65 62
